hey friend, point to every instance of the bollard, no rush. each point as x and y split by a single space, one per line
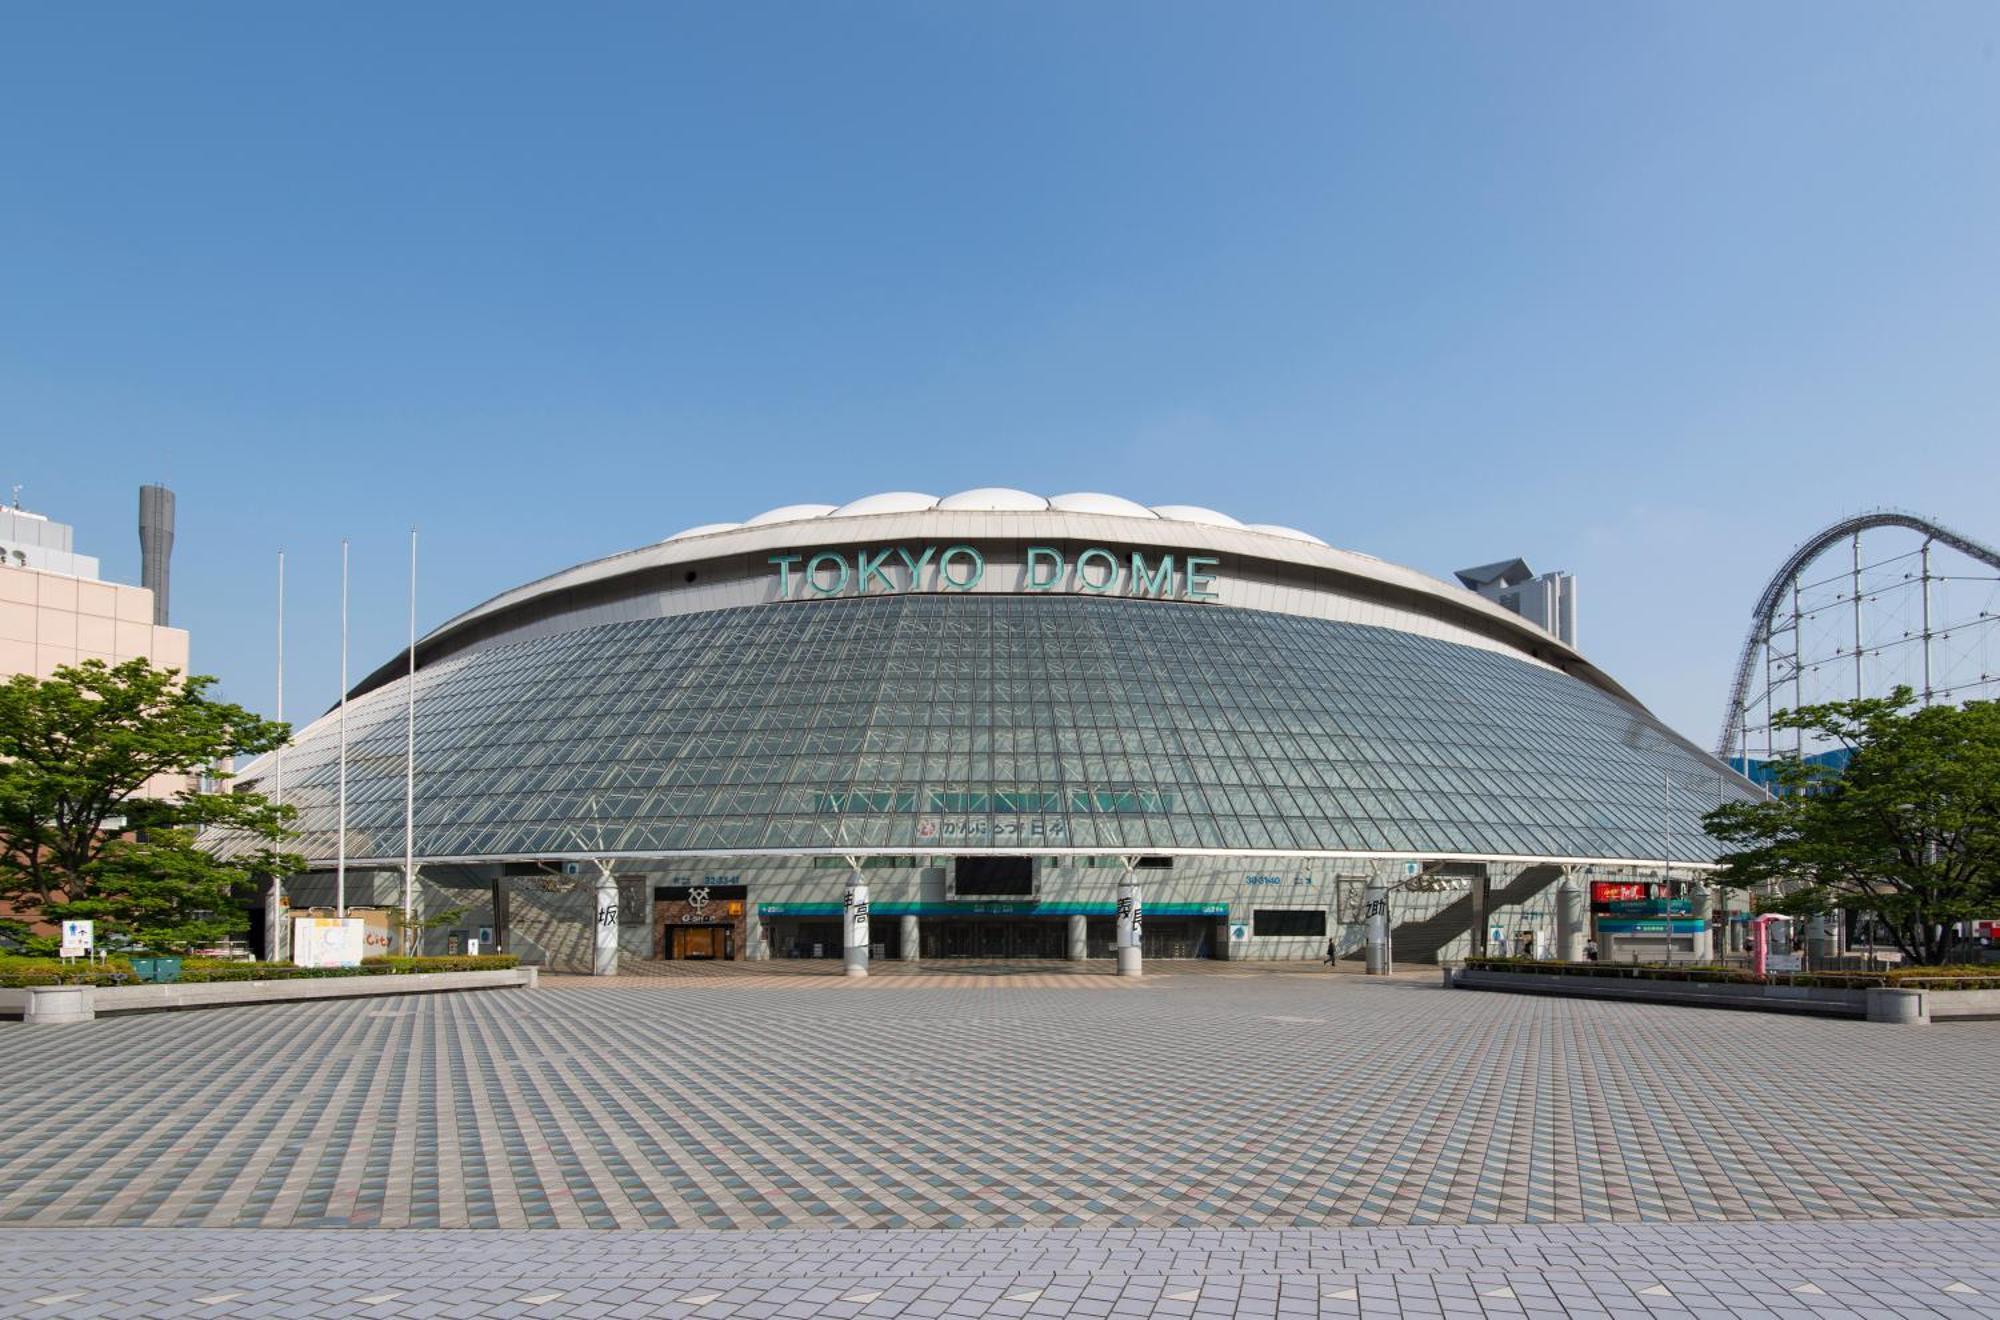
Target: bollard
1902 1007
58 1005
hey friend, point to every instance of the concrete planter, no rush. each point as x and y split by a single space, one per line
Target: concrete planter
54 1004
1880 1004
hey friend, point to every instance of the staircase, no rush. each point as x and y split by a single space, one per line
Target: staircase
1419 941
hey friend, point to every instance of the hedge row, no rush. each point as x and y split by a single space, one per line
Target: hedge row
216 969
16 972
1973 977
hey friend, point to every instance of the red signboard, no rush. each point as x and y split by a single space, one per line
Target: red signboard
1618 891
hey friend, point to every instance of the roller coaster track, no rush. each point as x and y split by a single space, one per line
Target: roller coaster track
1767 604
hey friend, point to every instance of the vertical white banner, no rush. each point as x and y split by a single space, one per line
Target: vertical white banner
854 928
1131 940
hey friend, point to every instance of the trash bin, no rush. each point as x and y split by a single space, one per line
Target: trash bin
158 968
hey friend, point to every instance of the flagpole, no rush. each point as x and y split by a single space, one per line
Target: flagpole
278 757
340 815
277 941
410 760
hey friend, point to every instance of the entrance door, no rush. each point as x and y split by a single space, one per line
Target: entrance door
996 937
699 942
1177 939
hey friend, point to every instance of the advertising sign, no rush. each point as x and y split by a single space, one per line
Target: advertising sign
1650 907
377 939
78 938
328 941
1604 893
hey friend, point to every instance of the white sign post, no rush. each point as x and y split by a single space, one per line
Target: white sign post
78 938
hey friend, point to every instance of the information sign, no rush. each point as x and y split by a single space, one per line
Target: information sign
78 938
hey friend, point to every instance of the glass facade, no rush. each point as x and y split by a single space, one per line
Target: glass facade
1010 722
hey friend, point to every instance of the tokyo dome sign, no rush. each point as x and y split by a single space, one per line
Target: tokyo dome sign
1092 571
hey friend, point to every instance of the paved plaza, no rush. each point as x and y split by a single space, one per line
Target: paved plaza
1212 1140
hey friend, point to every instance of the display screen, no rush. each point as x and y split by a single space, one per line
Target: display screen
1618 891
993 877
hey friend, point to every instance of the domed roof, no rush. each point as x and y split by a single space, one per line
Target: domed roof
1194 513
788 513
1090 501
1003 499
703 530
994 499
1289 533
889 501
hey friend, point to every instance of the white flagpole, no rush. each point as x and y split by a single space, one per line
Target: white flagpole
277 941
410 761
278 757
340 815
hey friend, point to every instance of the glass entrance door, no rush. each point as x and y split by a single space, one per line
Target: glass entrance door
700 942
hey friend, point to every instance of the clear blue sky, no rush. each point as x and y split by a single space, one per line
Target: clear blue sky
1644 291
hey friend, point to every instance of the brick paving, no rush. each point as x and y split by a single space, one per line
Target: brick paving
1265 1138
1835 1268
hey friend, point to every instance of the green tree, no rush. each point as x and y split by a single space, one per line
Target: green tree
1909 829
80 835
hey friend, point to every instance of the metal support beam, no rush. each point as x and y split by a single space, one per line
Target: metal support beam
1860 687
1927 622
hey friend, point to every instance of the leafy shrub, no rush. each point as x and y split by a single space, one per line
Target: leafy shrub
480 962
16 972
210 970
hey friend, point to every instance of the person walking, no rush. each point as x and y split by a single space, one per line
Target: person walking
1332 950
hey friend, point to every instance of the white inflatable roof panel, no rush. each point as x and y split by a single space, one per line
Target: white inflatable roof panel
788 513
1289 533
994 499
1090 501
1194 513
889 501
703 530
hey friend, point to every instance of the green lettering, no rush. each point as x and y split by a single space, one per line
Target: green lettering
1110 562
1197 581
812 573
1050 556
871 567
784 563
963 552
916 565
1160 583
